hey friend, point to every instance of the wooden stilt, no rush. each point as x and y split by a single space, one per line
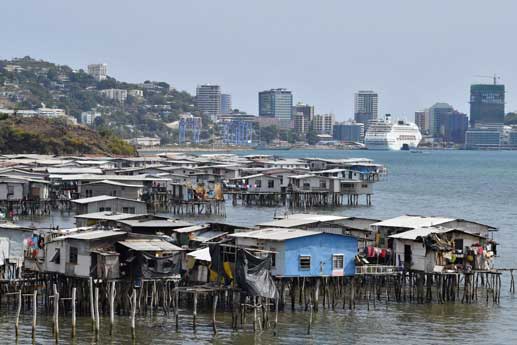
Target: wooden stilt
73 312
214 308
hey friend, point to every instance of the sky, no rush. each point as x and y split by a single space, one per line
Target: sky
413 53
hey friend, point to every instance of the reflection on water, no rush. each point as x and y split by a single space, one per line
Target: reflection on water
472 185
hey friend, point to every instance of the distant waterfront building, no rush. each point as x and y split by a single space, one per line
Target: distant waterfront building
88 117
323 123
488 137
145 141
422 120
277 103
208 100
512 137
136 93
454 127
302 117
486 104
50 112
119 95
366 105
348 131
98 71
437 114
226 103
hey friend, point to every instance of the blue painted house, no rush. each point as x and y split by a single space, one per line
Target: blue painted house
303 253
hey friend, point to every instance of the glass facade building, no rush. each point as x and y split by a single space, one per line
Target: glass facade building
277 103
486 104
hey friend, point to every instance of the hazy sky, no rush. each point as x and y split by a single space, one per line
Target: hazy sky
412 52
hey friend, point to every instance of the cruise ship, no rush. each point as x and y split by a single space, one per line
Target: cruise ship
384 135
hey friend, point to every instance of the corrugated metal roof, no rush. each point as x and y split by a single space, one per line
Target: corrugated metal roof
192 228
300 219
108 215
209 235
150 245
415 233
115 183
102 198
72 170
413 222
275 234
91 235
155 223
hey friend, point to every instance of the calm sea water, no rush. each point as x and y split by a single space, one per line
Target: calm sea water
481 186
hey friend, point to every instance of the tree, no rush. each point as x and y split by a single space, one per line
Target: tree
312 136
268 133
510 119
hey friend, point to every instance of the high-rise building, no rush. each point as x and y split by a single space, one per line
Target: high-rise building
208 100
88 117
277 103
226 103
486 104
99 71
348 131
454 126
422 120
302 117
437 115
323 123
365 106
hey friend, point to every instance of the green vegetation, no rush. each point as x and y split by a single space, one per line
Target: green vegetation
510 119
75 91
57 136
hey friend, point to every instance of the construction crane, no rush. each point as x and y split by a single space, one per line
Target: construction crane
494 77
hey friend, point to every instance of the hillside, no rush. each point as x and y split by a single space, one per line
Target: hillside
56 136
26 83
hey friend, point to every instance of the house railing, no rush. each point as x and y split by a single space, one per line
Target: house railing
376 269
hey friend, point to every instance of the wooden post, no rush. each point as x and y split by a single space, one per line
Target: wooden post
133 314
214 308
176 307
92 308
275 332
194 311
310 318
112 306
34 312
56 312
18 311
97 318
74 292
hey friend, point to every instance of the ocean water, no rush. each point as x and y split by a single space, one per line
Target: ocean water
480 186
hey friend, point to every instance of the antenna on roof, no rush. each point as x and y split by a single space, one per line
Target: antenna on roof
494 77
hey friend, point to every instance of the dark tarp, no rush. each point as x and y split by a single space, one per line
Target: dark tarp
217 263
161 266
253 275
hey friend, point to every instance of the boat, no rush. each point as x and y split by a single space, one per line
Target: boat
385 135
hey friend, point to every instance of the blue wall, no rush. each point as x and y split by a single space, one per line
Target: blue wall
320 247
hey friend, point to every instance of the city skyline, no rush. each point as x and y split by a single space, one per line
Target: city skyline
409 69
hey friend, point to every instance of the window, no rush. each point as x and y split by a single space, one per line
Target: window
338 261
258 183
104 209
130 210
458 244
57 257
271 184
323 184
73 255
10 190
273 257
364 185
89 193
114 193
305 262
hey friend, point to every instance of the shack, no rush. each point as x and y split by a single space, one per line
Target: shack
104 203
12 240
77 255
149 258
112 188
302 253
433 249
